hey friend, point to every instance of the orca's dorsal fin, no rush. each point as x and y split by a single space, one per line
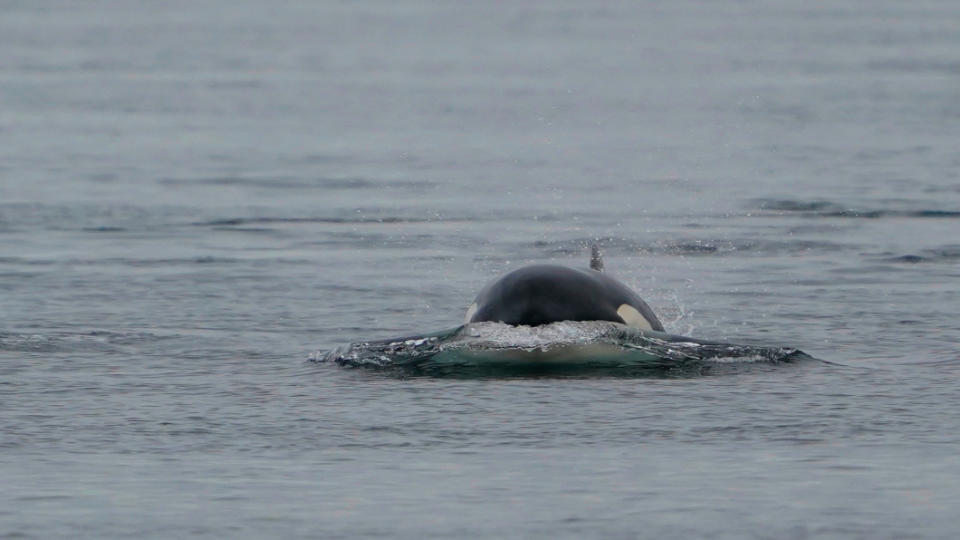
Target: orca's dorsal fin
596 258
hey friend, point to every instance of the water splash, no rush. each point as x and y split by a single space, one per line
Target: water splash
565 348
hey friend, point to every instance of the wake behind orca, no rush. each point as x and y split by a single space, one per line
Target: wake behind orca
552 319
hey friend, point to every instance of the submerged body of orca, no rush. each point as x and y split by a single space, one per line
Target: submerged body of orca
545 293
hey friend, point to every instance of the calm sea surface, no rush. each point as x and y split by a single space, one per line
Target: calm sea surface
197 197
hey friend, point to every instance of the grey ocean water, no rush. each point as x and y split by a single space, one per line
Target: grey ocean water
197 197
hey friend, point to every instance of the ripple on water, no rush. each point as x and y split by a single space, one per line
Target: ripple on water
592 348
832 209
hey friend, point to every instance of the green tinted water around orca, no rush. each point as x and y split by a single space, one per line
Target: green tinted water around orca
570 348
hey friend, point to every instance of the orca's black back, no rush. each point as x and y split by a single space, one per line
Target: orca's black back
542 294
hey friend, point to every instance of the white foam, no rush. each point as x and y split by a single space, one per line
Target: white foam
491 334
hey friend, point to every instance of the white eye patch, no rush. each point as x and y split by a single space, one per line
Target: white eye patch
631 317
471 311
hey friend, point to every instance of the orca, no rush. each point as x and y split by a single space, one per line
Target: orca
547 293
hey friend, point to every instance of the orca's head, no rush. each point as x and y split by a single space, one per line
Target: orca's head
543 294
